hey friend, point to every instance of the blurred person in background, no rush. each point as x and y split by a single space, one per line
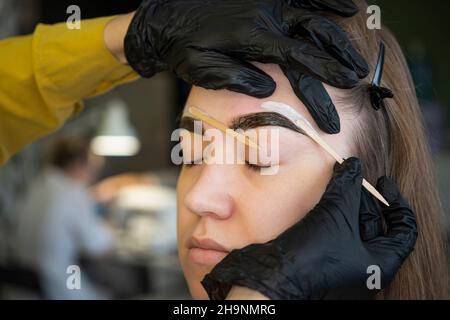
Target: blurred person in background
57 224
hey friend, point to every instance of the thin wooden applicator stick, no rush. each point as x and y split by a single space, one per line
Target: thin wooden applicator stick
201 115
306 127
316 137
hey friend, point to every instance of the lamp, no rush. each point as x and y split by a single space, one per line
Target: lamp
116 136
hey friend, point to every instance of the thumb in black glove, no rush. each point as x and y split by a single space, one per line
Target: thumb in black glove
326 255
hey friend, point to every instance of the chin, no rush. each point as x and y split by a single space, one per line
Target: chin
193 276
197 292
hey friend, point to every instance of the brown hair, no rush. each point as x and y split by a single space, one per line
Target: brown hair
66 151
392 142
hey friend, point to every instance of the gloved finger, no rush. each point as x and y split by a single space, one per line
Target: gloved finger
370 225
143 64
345 8
304 56
344 189
235 268
326 34
336 42
399 217
316 99
214 70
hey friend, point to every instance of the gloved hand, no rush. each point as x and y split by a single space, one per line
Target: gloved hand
309 89
327 253
209 43
345 8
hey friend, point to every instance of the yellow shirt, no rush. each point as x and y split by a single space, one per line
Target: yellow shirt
44 77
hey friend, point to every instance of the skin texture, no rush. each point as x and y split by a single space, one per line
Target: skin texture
114 34
230 203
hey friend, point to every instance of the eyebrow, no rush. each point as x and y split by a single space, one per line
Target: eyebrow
249 121
188 123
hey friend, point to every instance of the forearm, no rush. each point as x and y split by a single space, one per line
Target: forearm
115 32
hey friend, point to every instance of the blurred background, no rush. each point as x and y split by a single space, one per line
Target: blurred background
128 249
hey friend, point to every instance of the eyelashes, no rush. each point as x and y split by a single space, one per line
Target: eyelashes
255 167
251 166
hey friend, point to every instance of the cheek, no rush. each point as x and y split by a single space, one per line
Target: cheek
286 197
310 178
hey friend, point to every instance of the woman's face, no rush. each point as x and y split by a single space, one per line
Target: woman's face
223 207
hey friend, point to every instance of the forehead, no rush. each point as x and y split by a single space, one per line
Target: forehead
225 105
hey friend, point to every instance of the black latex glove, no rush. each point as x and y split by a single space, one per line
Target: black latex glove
208 43
326 254
309 89
345 8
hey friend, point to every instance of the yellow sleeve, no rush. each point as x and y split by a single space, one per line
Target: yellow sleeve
44 77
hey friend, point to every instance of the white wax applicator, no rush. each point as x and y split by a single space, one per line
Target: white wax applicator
307 128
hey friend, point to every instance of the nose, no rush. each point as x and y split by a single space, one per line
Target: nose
211 193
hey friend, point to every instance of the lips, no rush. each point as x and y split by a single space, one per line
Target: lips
205 251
